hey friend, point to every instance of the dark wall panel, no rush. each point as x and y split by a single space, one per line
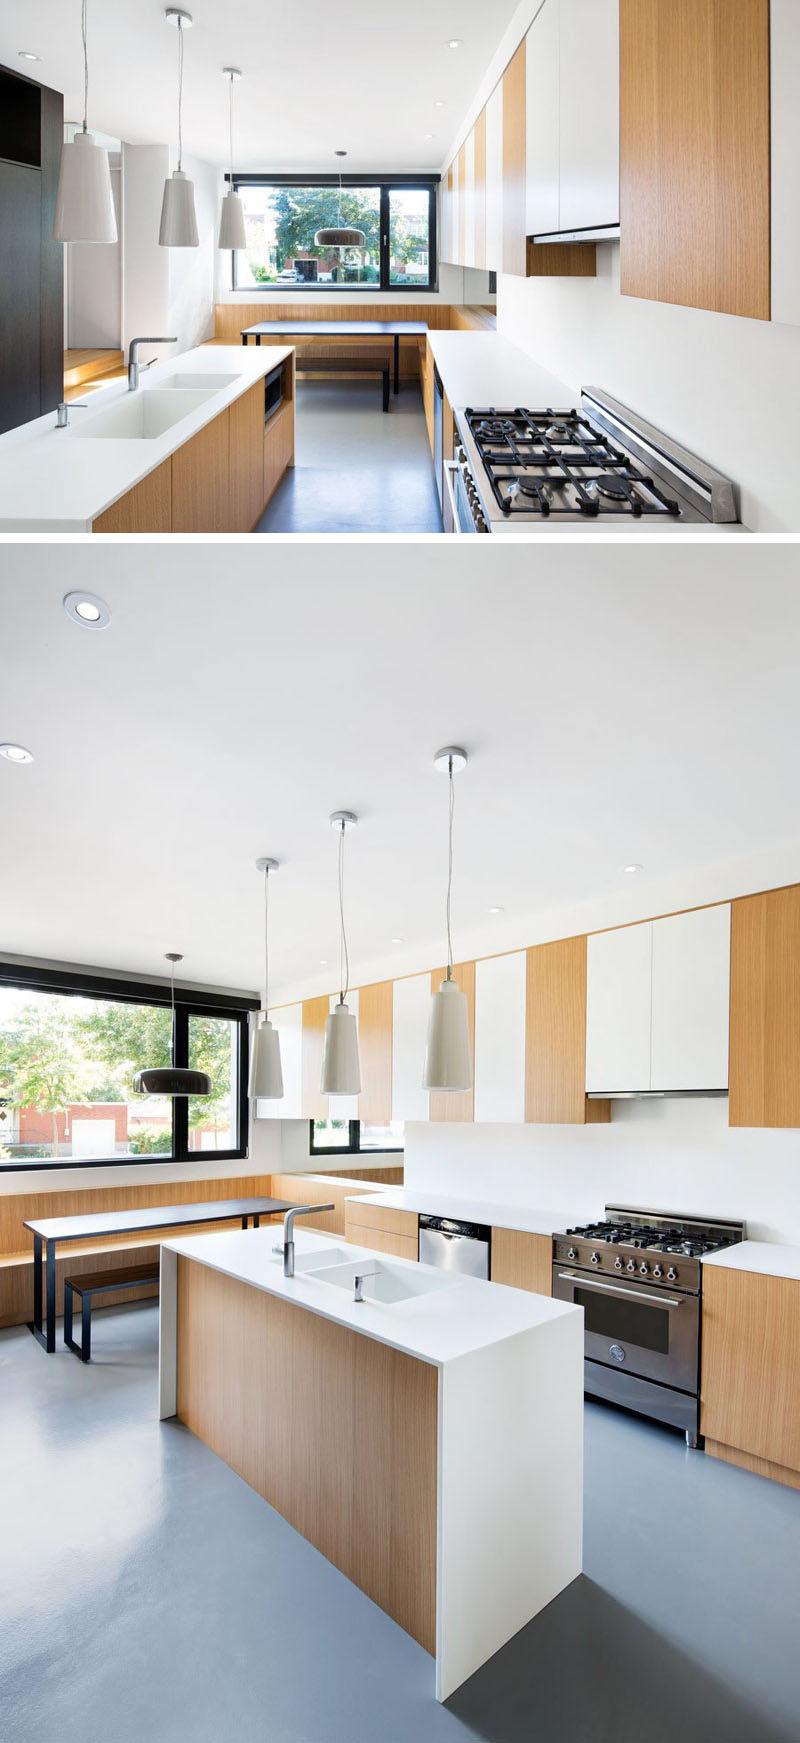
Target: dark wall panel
52 272
31 263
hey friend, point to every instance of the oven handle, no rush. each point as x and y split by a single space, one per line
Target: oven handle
626 1294
449 471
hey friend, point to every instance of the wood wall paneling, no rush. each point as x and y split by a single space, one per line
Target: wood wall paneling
479 196
555 1077
514 237
457 1104
751 1363
315 1017
522 1260
336 1431
375 1007
765 1009
694 92
201 480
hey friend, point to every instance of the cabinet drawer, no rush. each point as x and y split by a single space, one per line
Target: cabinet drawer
383 1217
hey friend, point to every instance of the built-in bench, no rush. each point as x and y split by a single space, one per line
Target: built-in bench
347 366
100 1283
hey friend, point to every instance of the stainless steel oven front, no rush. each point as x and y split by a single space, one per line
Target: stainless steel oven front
647 1331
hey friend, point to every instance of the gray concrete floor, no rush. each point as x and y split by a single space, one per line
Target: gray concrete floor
357 470
147 1593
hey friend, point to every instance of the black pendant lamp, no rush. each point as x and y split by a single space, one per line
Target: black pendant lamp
340 236
171 1079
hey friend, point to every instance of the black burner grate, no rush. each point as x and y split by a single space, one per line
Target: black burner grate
556 463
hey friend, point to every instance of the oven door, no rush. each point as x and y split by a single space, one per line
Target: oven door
652 1333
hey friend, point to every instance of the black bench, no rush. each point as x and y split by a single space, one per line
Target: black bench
310 365
99 1283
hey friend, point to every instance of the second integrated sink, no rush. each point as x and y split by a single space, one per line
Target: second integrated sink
387 1284
141 416
184 383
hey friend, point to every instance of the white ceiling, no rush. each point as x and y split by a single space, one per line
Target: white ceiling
317 76
619 703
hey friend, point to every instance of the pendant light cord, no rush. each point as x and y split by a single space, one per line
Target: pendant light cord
230 125
266 941
180 94
172 1007
344 959
450 868
85 69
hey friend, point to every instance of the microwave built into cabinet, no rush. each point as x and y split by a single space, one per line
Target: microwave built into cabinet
274 393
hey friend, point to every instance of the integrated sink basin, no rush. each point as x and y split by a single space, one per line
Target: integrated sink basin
185 383
389 1284
139 416
311 1261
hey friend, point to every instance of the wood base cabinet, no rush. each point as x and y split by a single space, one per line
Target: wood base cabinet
749 1407
379 1226
522 1260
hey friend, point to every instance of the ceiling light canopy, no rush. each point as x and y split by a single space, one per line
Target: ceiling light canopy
26 55
340 235
84 202
454 42
341 1065
87 609
171 1079
633 869
16 753
448 1058
266 1075
178 217
231 224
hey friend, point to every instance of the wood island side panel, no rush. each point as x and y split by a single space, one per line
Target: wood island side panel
146 508
334 1430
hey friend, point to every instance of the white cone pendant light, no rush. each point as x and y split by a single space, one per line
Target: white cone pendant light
231 224
340 236
448 1057
171 1079
84 202
341 1065
266 1076
178 216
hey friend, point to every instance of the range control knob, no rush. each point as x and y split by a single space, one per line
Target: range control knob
644 1268
631 1264
595 1259
672 1275
618 1263
657 1271
573 1253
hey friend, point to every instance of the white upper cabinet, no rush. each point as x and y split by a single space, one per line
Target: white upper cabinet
289 1023
691 1000
784 21
494 180
618 1003
572 146
541 132
500 1038
411 1002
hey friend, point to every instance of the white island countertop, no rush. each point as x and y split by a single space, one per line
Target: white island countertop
765 1258
479 1210
59 481
458 1317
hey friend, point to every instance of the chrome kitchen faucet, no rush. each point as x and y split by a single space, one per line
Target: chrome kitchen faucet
135 368
288 1231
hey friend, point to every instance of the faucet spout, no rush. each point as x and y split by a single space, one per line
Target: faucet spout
288 1231
135 368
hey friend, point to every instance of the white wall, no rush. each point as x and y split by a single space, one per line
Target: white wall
165 290
295 1157
93 283
264 1158
451 290
725 387
192 270
676 1155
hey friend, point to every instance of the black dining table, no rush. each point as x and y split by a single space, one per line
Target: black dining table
288 329
48 1231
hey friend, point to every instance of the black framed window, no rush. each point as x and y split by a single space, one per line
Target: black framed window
284 213
70 1042
354 1138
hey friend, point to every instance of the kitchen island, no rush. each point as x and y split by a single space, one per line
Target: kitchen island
427 1439
190 451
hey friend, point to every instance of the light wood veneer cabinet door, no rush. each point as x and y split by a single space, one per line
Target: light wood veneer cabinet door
695 153
278 448
765 1009
479 192
147 508
522 1260
375 1024
515 251
750 1364
555 1036
494 180
246 428
315 1106
201 480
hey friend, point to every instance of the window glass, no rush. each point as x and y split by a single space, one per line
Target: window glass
409 236
391 1137
66 1077
214 1047
281 224
355 1136
331 1134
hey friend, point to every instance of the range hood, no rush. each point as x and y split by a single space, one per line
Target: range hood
650 1094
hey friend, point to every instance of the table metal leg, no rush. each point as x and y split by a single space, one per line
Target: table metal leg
50 1269
258 338
245 1222
256 1222
37 1286
397 363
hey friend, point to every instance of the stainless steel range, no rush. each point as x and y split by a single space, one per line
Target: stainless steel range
599 466
638 1276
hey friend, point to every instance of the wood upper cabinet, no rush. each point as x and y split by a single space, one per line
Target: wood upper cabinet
555 1034
479 192
456 1104
315 1016
500 1038
494 180
695 153
765 1009
375 1026
750 1365
514 167
522 1260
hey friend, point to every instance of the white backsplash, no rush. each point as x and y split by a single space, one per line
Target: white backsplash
674 1155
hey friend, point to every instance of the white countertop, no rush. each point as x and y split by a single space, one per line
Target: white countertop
766 1258
464 1316
55 480
478 1210
484 369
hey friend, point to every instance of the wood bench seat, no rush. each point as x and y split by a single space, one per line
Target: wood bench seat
346 366
93 1283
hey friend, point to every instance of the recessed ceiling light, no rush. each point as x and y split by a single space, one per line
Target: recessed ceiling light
429 136
87 609
497 910
26 55
632 869
323 962
454 42
16 753
398 941
438 104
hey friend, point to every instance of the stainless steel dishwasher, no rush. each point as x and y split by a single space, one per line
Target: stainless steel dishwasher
455 1246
